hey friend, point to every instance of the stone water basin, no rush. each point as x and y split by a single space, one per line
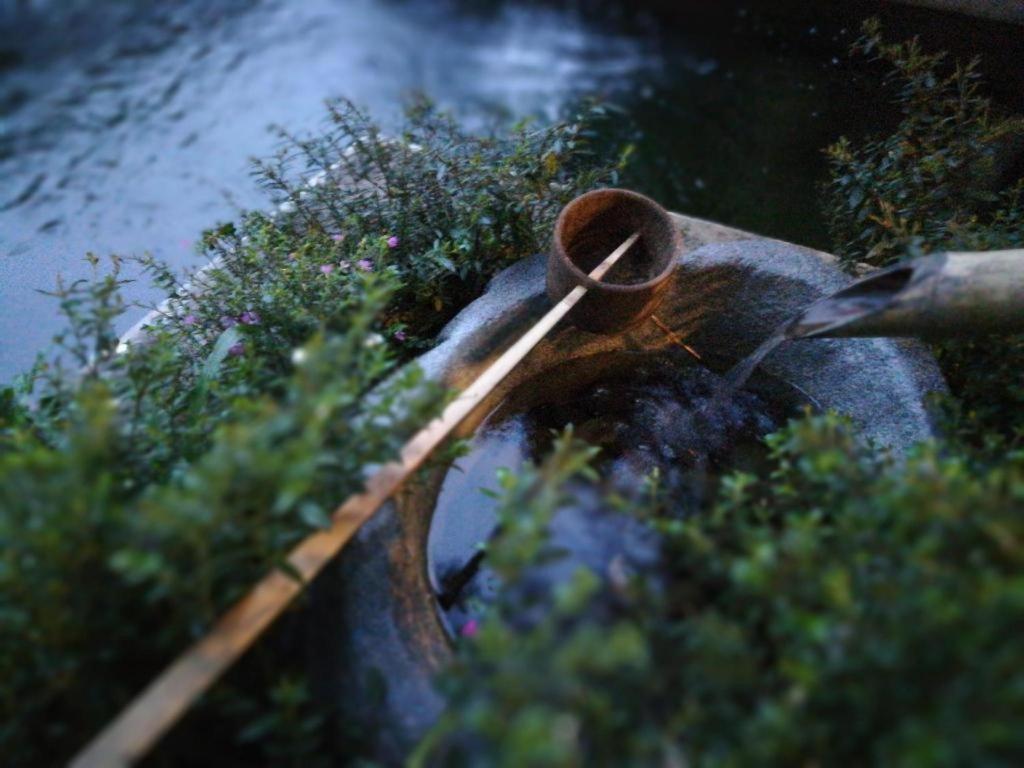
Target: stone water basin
378 629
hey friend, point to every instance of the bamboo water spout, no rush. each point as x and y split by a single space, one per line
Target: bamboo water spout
937 296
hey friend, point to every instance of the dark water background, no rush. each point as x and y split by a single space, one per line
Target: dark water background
127 126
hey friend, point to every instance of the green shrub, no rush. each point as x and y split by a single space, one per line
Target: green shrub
840 612
937 183
459 207
144 489
102 580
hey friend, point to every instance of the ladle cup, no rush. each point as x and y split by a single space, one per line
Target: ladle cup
589 228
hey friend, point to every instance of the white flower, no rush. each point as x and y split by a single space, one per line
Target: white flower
299 356
373 340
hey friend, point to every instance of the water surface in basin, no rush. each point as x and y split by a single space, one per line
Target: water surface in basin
651 416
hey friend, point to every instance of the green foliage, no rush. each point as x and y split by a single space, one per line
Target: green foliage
852 612
102 579
938 182
841 612
146 486
460 207
987 377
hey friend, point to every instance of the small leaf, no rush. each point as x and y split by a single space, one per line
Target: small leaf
228 339
313 515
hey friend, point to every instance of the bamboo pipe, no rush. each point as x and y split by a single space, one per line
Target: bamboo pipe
151 714
939 296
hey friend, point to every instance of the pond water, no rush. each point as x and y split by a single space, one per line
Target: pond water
127 127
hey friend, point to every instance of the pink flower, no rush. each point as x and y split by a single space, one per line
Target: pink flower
400 335
189 319
237 350
365 264
249 318
327 268
227 321
338 237
393 242
470 628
